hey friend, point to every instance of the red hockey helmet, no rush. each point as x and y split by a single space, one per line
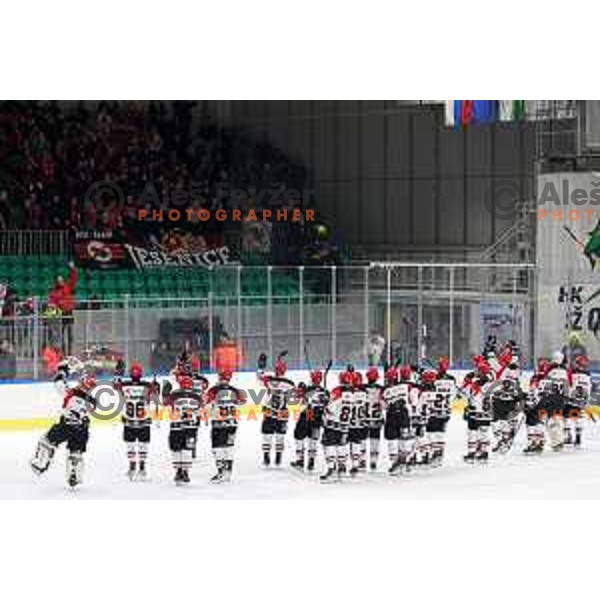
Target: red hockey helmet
87 382
405 372
345 378
280 368
357 379
428 376
372 374
582 362
391 375
443 364
543 365
136 371
316 377
225 375
186 382
195 364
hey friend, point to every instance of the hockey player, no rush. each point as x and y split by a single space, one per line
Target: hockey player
310 421
223 399
138 395
445 386
374 414
185 402
72 428
553 399
397 425
478 412
335 431
275 411
559 373
535 428
508 401
580 390
358 426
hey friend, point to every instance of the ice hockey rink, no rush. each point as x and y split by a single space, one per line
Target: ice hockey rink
566 475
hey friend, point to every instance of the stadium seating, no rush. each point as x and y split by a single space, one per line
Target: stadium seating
35 275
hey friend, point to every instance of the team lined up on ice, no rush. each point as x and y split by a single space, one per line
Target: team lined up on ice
408 406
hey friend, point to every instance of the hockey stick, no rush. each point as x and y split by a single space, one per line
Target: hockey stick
327 372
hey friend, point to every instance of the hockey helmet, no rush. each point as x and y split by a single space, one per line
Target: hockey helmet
135 371
428 376
558 357
345 378
443 364
372 374
582 362
316 377
543 365
225 375
87 381
391 375
186 382
357 379
405 372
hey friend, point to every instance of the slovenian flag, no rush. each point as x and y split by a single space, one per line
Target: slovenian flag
468 112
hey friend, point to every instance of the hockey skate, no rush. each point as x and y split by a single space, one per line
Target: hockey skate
298 464
219 476
482 457
131 473
329 476
311 464
179 477
469 458
396 467
185 476
266 459
278 457
142 475
577 441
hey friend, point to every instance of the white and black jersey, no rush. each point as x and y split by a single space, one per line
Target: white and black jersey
224 400
374 404
280 391
138 396
581 387
338 413
185 407
316 399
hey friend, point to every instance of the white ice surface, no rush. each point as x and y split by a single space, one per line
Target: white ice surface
567 475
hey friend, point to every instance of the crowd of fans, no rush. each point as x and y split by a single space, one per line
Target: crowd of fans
50 154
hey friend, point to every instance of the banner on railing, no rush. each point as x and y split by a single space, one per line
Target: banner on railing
152 259
100 250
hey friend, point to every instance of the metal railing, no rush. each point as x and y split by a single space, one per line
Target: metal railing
34 242
359 314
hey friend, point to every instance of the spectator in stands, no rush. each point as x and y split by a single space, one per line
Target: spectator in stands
62 297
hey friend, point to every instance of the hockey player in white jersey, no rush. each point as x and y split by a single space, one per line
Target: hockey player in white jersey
478 412
580 391
374 414
358 426
138 396
72 427
275 411
397 425
185 403
445 386
223 400
307 431
335 431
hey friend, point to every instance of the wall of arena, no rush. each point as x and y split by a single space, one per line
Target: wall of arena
391 176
